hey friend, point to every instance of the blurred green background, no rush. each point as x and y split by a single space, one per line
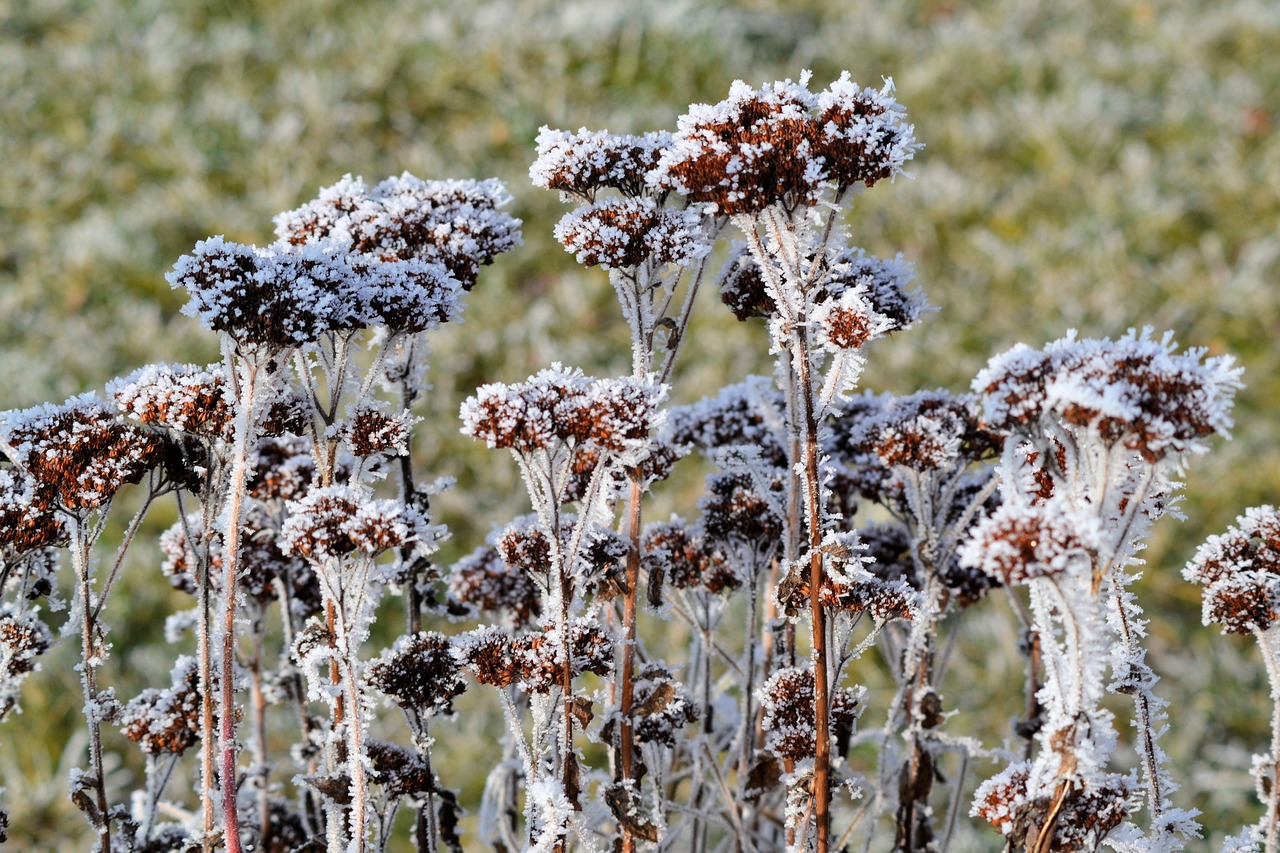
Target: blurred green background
1097 165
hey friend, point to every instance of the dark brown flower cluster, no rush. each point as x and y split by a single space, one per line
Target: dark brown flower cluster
735 514
333 522
23 638
78 453
1240 571
420 672
748 414
167 721
534 660
662 707
559 407
28 518
184 398
457 224
654 467
925 431
1134 392
788 702
369 431
1087 813
1018 544
284 469
882 598
780 144
400 770
484 582
585 162
622 233
677 556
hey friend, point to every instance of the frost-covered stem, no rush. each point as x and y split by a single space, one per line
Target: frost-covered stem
81 542
1269 657
260 739
205 664
159 771
814 511
231 570
355 750
626 670
748 661
426 818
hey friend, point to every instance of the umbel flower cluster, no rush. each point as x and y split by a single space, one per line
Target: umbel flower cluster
690 683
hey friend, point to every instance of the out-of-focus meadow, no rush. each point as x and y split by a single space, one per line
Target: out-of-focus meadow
1097 165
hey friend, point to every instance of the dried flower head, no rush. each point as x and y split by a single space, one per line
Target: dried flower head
1017 544
333 522
735 514
420 672
457 224
752 150
400 770
1134 391
558 406
485 582
1240 570
590 649
167 721
79 453
369 431
742 285
747 414
23 638
185 398
661 707
685 560
788 702
925 431
492 655
864 134
28 519
584 162
284 469
620 233
1090 809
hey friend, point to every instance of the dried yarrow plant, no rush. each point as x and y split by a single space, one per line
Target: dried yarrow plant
834 528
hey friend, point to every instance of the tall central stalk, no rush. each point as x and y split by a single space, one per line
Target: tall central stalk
231 567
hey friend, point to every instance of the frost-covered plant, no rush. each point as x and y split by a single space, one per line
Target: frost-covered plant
863 521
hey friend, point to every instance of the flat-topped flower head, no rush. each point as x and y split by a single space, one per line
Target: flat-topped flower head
78 453
619 233
742 285
925 431
167 721
185 398
486 583
685 560
787 700
333 522
420 672
662 706
401 771
864 136
410 295
558 406
587 161
454 223
268 298
746 414
1134 391
756 148
882 283
1240 570
1018 544
369 431
734 514
534 660
1092 807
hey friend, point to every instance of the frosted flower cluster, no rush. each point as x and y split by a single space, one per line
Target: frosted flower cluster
1088 812
332 522
586 161
781 144
457 224
483 582
23 638
185 398
1240 573
1135 391
283 296
558 406
787 699
28 520
79 453
535 660
420 672
616 233
167 720
1016 544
